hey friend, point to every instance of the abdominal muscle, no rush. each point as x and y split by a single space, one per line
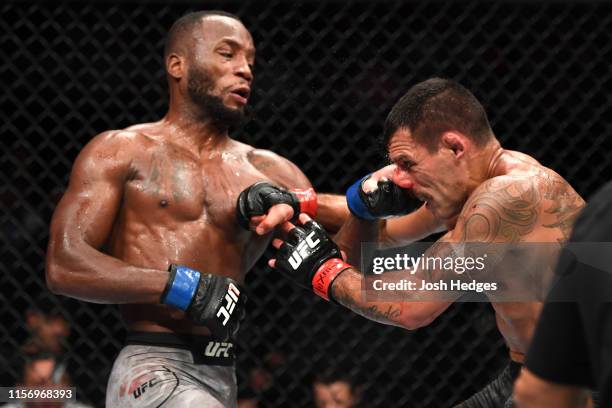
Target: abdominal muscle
221 257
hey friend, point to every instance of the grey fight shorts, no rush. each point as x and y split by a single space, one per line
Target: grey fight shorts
498 393
169 370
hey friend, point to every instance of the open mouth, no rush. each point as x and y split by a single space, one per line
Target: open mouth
242 92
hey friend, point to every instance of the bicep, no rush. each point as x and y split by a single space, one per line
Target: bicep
86 212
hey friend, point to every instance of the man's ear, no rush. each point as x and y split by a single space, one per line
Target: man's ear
456 142
175 66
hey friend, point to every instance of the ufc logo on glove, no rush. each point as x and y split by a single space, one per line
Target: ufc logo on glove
298 255
231 298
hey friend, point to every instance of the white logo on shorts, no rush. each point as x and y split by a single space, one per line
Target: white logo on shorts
215 348
231 298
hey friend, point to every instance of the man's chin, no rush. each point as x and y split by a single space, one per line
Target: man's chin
228 116
236 110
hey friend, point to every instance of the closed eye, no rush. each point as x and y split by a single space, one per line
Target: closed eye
405 164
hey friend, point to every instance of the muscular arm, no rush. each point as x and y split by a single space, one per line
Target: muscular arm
409 228
332 211
500 210
82 223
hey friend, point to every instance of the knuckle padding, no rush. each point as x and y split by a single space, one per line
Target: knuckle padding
295 235
259 198
313 225
285 249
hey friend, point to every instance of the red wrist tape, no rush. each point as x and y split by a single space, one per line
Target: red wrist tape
325 275
308 200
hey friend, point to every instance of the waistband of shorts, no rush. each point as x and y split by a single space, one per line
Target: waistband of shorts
204 349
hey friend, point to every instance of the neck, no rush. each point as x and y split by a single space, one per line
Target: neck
190 127
484 164
495 161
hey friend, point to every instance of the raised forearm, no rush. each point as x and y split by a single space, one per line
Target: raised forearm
332 211
311 259
347 290
412 227
353 233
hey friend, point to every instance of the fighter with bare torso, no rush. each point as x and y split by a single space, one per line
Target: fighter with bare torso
444 153
149 222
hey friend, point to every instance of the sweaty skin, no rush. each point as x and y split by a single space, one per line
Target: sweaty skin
507 197
158 193
137 202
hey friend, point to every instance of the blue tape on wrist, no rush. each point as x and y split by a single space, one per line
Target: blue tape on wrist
355 203
183 287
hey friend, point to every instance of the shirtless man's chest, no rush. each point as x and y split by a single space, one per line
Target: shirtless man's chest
179 207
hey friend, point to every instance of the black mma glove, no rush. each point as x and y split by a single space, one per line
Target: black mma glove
311 259
388 200
214 301
259 197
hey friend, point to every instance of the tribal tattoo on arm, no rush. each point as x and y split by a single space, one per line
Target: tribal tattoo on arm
501 210
566 204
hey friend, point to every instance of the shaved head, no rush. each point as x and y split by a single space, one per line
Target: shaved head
178 34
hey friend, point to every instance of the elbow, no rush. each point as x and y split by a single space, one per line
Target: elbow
415 319
53 275
414 322
56 272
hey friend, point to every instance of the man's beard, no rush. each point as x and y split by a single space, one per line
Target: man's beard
199 88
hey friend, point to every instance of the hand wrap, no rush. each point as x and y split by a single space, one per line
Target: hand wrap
311 259
260 197
214 301
387 200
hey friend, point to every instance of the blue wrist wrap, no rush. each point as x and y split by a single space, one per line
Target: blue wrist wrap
182 288
355 203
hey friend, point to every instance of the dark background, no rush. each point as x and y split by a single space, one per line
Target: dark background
326 75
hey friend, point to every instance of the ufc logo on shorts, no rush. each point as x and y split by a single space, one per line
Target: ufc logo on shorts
231 298
215 349
296 258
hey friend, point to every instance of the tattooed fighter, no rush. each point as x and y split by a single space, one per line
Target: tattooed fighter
444 153
149 222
